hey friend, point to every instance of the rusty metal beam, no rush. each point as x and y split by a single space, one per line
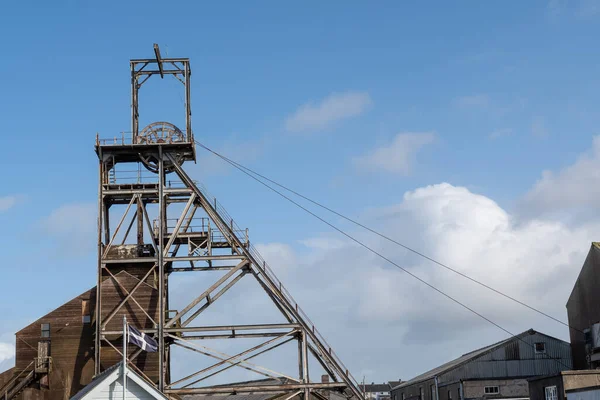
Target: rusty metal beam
257 388
158 60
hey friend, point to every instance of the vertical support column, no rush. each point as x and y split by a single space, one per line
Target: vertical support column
305 377
300 358
98 338
140 224
106 225
161 272
134 104
188 106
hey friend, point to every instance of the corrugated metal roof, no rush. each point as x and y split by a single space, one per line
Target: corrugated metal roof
526 365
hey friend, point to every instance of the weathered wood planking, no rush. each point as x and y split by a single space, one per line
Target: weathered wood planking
71 341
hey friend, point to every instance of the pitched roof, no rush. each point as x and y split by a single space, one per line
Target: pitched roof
463 359
109 376
98 379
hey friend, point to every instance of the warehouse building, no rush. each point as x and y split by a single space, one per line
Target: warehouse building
583 309
498 371
576 385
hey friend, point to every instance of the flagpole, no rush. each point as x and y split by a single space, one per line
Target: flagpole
124 356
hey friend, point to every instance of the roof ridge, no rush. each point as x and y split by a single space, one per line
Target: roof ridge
467 357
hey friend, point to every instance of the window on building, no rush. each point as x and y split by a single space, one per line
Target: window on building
421 393
449 395
403 398
551 393
86 316
540 348
492 390
433 396
458 393
45 330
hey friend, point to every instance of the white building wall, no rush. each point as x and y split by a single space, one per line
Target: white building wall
115 392
592 394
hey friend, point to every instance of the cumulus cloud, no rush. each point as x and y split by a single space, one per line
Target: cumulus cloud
373 314
396 157
575 187
312 117
7 354
345 288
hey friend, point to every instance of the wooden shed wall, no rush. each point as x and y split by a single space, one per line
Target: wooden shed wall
72 340
71 348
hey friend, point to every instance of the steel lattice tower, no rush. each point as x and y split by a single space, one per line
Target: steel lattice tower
133 278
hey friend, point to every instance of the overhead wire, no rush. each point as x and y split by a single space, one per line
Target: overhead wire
420 254
370 249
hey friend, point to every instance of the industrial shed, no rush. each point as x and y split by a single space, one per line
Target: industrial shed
497 371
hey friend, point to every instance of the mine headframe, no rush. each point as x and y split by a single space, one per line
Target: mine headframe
166 223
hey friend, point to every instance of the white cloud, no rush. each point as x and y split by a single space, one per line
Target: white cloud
7 202
397 156
372 313
7 352
344 288
575 187
336 107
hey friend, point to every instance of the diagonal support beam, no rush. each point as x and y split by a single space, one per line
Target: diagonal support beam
272 283
129 296
233 359
247 367
148 224
211 299
198 299
241 361
179 223
114 235
159 61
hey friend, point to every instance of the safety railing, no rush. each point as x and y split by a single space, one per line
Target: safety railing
201 225
264 267
14 382
119 176
131 176
42 364
126 138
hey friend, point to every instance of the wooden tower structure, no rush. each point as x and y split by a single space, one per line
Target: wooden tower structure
166 223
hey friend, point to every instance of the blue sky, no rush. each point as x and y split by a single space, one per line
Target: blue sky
354 104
